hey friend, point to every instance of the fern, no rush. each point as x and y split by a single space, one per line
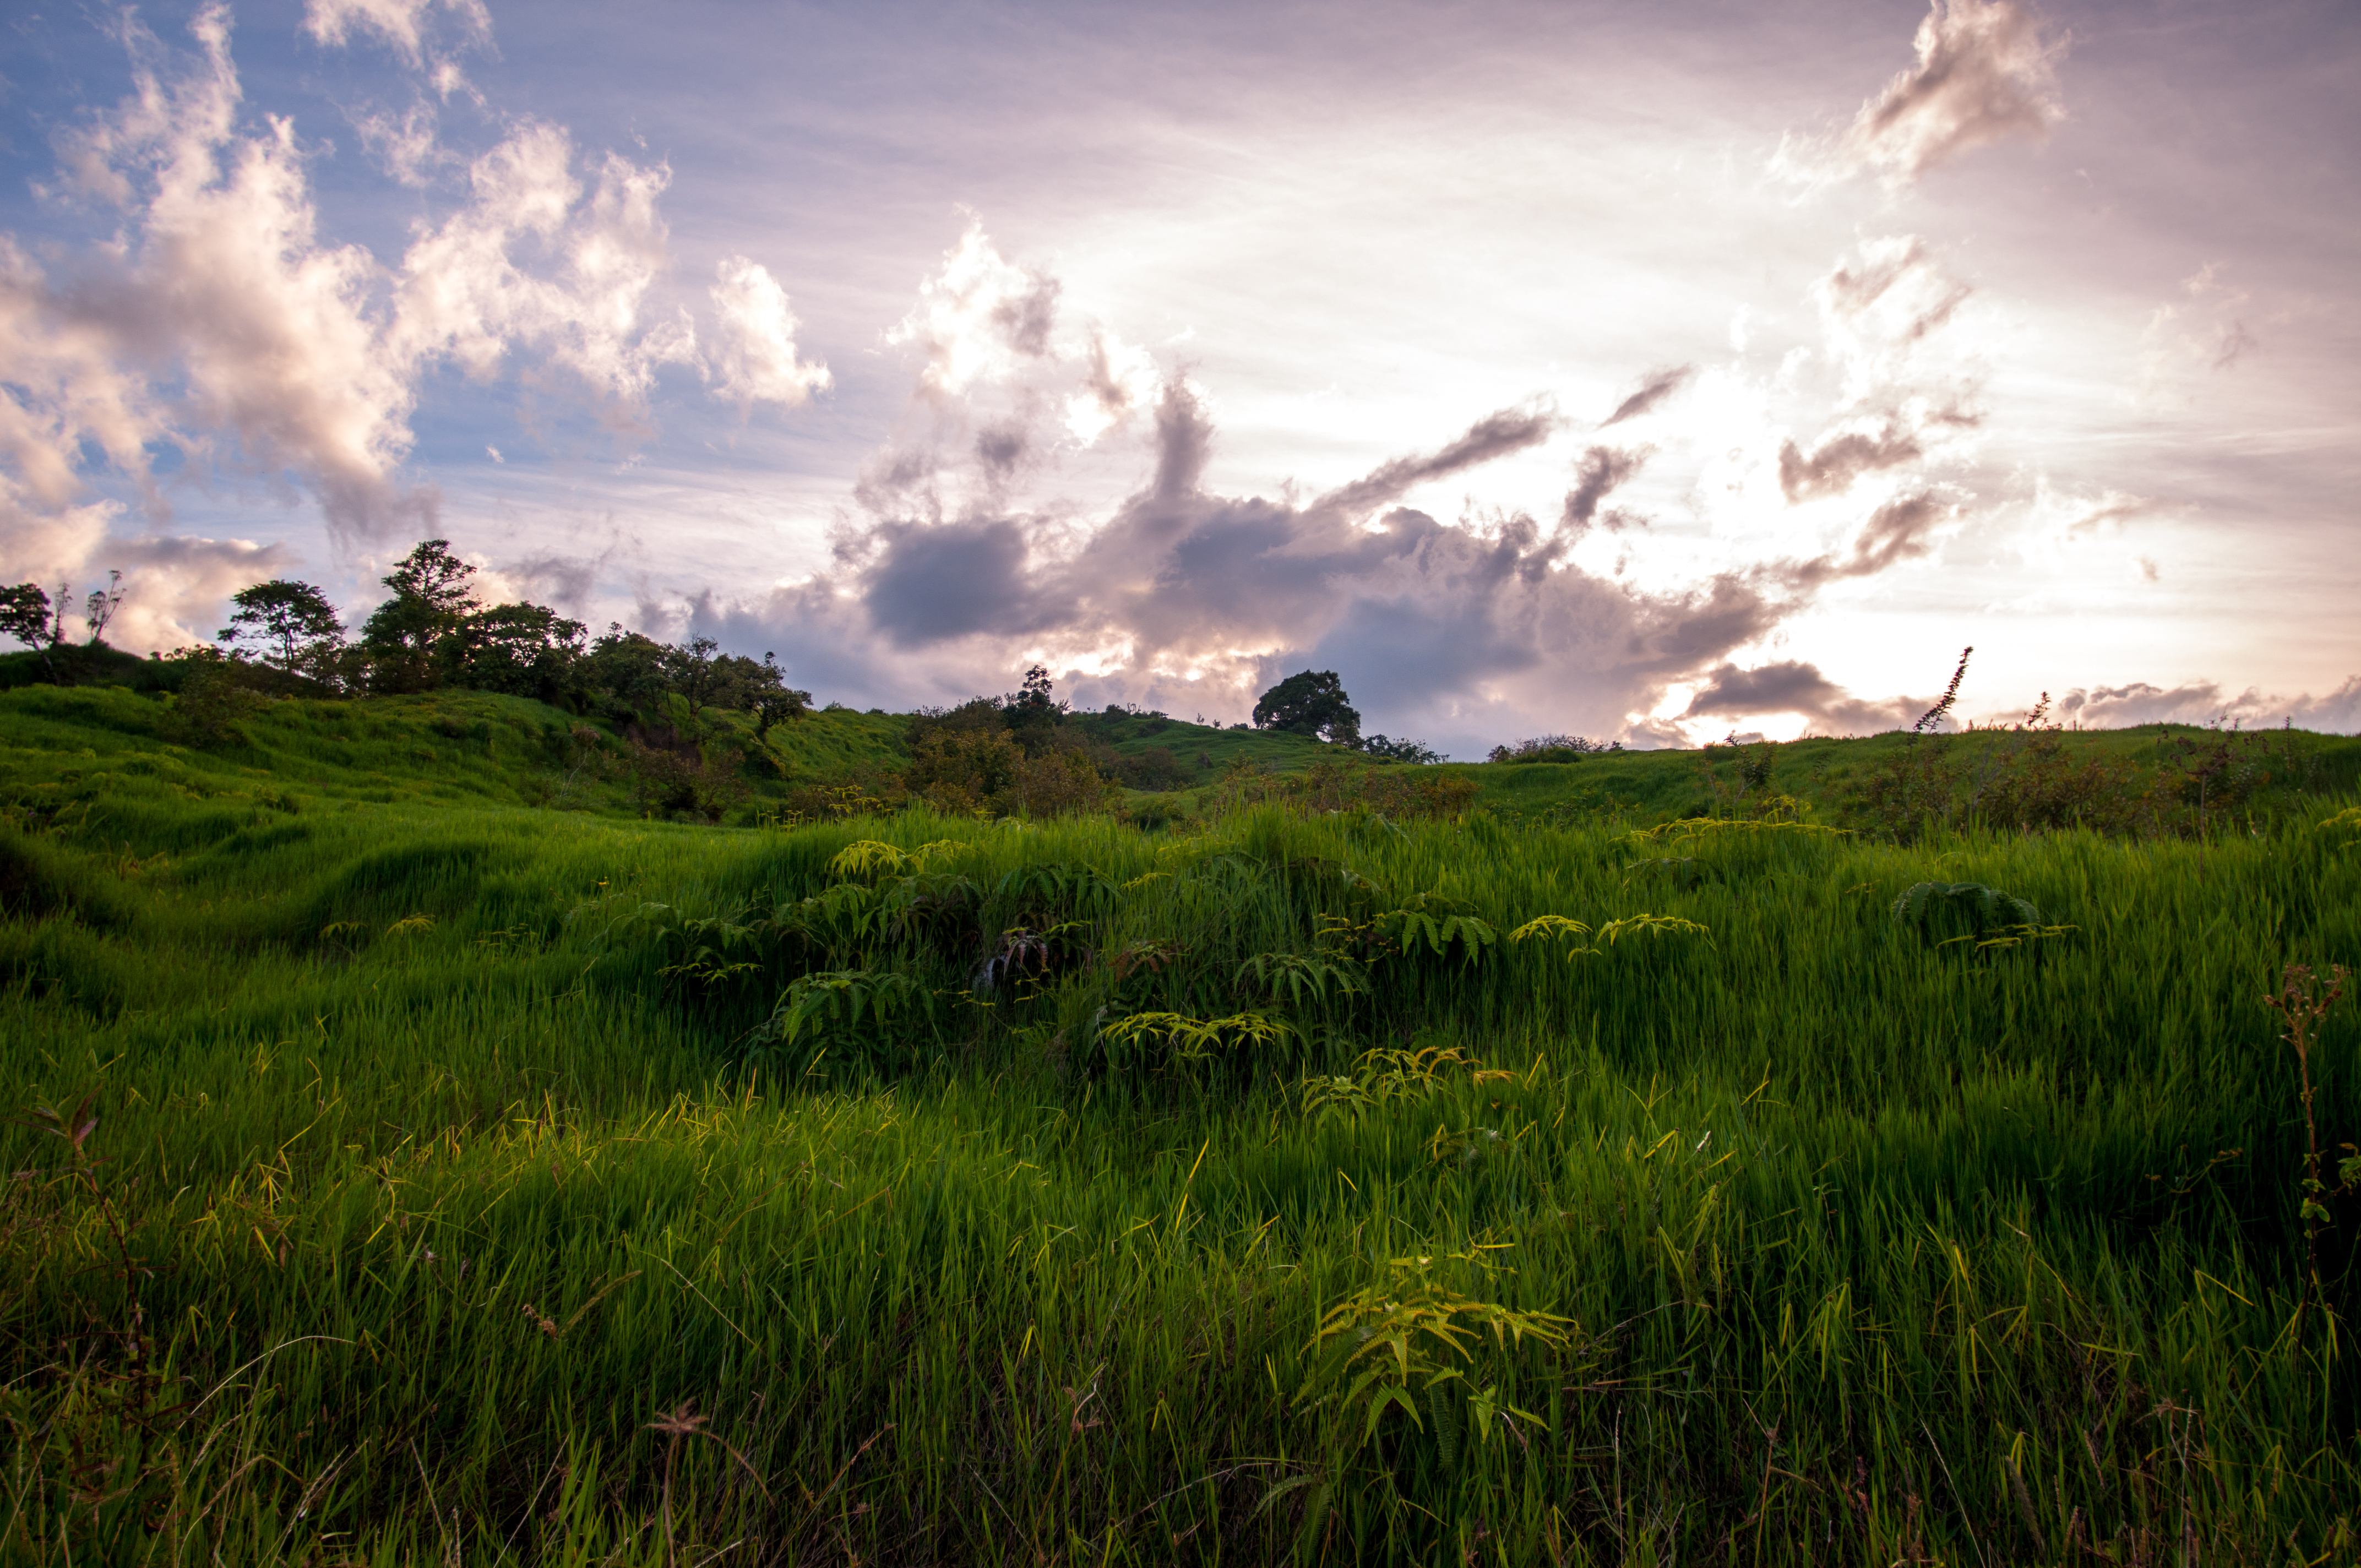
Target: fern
1607 935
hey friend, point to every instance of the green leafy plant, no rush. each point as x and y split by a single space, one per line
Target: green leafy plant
1193 1041
1302 979
823 1011
1437 922
1412 1342
1590 941
1387 1075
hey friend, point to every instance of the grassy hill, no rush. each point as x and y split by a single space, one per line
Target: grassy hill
420 1155
460 745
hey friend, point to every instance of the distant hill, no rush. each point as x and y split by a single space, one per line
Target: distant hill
128 729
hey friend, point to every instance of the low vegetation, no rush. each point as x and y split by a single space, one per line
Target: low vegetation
436 1144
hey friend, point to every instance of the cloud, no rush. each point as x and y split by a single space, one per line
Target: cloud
217 325
1180 596
1984 73
1657 386
754 358
1496 435
1794 688
1837 462
1119 379
173 585
1601 471
2199 336
224 284
401 24
979 318
1901 529
2205 702
406 148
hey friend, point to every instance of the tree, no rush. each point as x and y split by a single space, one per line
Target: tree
100 607
1032 714
1310 702
524 650
24 616
430 599
770 699
1402 750
293 622
434 576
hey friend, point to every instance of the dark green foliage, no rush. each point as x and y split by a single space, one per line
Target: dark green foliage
1387 749
1940 909
1310 703
24 614
291 624
1551 748
522 650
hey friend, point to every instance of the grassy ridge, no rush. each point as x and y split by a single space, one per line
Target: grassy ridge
459 1226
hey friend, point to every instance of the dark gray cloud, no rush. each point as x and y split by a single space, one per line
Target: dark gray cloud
1831 468
1899 531
1002 448
1601 471
1657 386
936 583
1209 597
1496 435
1790 686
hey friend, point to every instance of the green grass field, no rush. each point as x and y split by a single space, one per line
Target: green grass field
422 1158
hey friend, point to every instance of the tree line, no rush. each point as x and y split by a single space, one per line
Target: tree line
433 632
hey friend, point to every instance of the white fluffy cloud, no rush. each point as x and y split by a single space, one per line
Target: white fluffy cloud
532 261
754 357
401 24
979 318
219 324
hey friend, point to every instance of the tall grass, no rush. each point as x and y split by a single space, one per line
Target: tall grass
440 1206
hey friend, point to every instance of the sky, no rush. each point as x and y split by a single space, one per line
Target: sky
1636 371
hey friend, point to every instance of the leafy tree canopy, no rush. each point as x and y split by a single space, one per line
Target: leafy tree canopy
287 617
1310 702
24 614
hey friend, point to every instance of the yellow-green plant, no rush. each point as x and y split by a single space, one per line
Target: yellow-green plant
1193 1041
869 857
1385 1075
1411 1339
1543 926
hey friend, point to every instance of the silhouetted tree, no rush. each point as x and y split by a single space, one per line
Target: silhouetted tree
1310 702
293 623
100 607
1032 714
24 616
430 599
